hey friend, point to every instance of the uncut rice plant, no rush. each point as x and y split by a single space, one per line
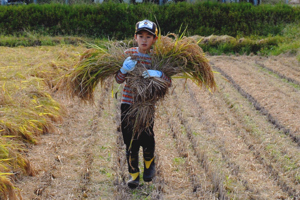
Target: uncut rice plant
12 163
176 56
6 186
10 157
26 111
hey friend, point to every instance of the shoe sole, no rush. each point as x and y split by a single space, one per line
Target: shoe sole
132 185
147 179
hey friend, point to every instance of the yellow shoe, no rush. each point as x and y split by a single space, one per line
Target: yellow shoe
149 170
134 180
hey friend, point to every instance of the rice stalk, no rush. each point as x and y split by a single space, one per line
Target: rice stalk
173 55
27 110
180 56
11 157
11 160
147 92
183 56
6 187
95 66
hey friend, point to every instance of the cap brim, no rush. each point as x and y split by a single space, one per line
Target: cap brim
145 29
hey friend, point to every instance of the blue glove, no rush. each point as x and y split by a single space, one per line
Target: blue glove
128 65
152 73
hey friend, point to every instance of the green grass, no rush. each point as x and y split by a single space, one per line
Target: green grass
28 38
291 43
143 192
294 85
237 45
287 42
27 109
32 40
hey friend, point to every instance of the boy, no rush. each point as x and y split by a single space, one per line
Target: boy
145 36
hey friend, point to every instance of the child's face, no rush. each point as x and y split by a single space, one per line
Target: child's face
145 41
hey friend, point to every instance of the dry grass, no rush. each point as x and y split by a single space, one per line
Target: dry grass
95 65
209 146
182 56
214 39
27 108
272 146
6 187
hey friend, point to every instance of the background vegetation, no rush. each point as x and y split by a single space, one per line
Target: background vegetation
26 106
111 20
252 29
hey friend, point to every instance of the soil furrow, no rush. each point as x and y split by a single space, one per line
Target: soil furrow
234 167
218 190
120 167
277 153
201 187
264 141
177 184
288 66
288 61
58 152
259 107
154 189
281 75
87 151
207 156
88 187
281 99
238 160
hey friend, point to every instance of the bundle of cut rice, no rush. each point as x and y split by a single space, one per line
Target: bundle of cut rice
173 55
180 56
147 91
183 57
95 65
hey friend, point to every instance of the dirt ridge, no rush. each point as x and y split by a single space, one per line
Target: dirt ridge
258 107
229 144
264 158
219 189
291 80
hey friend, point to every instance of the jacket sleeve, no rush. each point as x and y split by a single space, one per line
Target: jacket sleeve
120 77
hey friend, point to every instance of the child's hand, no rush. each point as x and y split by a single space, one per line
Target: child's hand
128 65
152 73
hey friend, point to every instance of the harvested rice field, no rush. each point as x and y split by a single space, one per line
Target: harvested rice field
240 142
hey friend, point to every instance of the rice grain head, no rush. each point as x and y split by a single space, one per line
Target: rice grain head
173 55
